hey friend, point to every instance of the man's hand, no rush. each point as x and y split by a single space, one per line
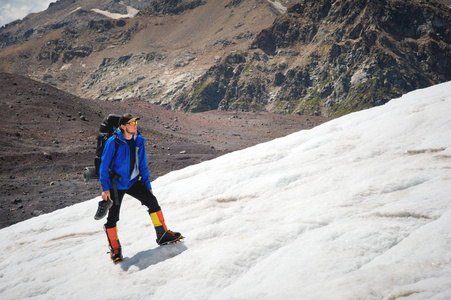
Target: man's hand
106 195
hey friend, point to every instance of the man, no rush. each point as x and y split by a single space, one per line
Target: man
124 170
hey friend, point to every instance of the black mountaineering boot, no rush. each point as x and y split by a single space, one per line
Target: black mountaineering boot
164 236
168 237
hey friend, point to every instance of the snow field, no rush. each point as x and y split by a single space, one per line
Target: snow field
357 208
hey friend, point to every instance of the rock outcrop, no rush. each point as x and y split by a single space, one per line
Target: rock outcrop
170 7
331 58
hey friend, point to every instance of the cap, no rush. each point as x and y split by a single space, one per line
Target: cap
126 118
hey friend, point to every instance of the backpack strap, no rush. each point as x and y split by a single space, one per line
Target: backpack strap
113 175
117 142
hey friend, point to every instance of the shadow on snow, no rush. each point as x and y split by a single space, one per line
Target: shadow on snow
147 258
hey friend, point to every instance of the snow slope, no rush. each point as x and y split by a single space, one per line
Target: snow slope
357 208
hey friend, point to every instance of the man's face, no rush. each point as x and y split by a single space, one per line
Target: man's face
129 128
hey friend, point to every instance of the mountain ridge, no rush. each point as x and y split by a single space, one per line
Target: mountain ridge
187 52
294 57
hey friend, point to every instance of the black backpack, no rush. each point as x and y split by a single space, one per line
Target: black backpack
107 128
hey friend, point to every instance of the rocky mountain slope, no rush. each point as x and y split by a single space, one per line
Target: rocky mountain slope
150 57
63 13
331 58
49 136
304 57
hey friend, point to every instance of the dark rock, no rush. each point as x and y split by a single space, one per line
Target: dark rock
355 55
170 7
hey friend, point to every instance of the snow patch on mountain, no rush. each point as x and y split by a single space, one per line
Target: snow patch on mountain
131 12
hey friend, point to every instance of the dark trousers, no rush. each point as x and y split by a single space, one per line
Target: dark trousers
139 191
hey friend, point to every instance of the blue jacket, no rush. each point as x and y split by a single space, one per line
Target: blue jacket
121 164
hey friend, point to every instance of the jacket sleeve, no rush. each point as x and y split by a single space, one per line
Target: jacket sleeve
143 168
104 171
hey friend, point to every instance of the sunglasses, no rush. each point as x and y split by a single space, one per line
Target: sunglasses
133 123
